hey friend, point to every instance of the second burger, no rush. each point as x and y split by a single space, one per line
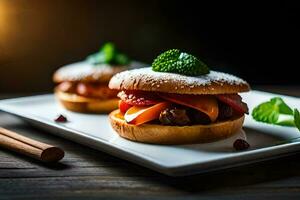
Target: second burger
83 86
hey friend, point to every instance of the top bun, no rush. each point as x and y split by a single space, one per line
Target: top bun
86 72
146 79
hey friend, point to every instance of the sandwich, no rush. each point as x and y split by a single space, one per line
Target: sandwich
83 86
178 100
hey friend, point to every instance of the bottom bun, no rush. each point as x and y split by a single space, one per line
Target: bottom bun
76 103
161 134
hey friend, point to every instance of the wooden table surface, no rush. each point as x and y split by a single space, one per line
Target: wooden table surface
85 173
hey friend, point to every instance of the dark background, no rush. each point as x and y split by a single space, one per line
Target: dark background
257 41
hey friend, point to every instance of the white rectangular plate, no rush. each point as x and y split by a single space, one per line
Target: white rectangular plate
95 131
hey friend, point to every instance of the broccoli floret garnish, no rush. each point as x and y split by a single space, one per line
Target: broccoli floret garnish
108 54
179 62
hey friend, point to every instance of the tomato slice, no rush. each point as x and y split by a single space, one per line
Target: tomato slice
205 103
139 98
234 101
123 106
141 114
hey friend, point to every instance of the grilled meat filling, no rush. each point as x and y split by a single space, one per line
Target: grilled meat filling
174 116
183 116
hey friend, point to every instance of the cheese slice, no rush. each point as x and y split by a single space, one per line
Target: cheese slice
141 114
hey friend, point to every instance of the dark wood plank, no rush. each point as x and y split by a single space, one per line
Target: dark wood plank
87 173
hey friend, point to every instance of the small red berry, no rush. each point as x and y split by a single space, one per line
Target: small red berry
241 144
61 119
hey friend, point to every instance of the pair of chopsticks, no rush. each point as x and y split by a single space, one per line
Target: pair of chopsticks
29 147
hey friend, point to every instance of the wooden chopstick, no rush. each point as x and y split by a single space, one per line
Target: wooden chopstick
26 146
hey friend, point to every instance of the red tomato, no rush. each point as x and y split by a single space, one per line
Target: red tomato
139 98
123 106
205 103
234 101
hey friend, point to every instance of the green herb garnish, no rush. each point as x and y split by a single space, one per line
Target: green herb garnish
276 111
108 54
179 62
297 118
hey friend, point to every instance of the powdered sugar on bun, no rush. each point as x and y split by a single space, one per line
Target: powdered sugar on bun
148 80
86 72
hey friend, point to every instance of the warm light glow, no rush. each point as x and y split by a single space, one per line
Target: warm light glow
2 15
2 18
7 15
6 24
2 26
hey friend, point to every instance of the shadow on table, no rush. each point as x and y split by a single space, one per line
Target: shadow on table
263 172
266 171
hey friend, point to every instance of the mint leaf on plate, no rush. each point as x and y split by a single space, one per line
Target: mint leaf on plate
297 118
275 111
